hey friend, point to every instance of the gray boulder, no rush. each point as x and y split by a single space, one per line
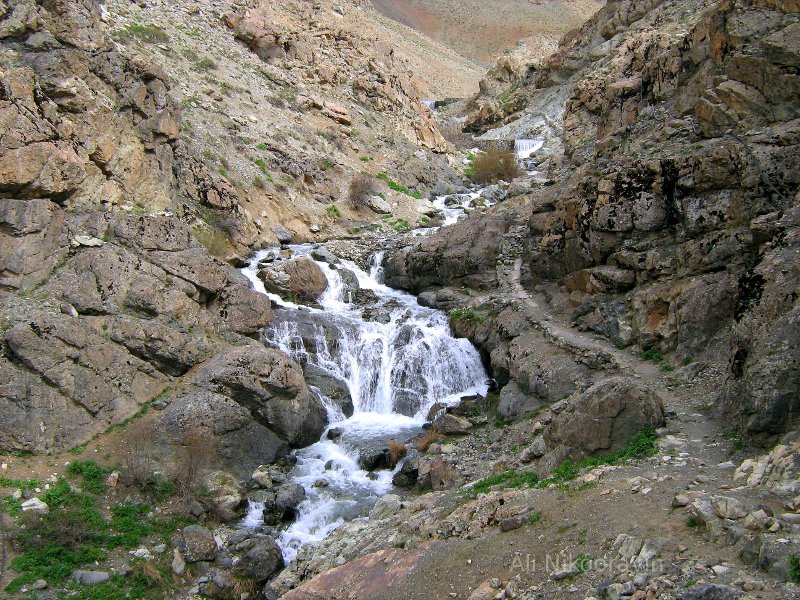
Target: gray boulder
271 387
199 544
260 562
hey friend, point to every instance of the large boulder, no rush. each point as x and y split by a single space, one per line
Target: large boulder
243 443
271 387
260 561
603 419
465 254
299 279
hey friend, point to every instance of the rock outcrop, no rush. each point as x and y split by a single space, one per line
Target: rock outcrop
673 223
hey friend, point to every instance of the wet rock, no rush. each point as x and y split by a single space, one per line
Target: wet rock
262 478
199 544
288 497
295 279
407 476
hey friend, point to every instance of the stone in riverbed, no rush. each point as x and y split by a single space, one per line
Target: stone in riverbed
288 498
450 424
199 543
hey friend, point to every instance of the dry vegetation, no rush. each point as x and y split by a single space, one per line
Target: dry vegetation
397 452
493 165
361 188
429 437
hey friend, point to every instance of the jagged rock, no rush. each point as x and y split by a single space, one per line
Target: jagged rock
35 506
450 424
386 506
262 477
604 418
728 508
199 544
378 205
407 475
242 441
92 383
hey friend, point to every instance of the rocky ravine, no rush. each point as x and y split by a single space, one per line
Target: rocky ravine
671 229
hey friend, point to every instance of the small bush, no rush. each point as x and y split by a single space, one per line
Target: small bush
361 188
534 517
493 165
398 187
693 522
794 568
429 437
194 460
333 212
652 354
397 452
466 315
583 562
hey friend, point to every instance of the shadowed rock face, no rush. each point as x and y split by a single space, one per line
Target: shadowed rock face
673 222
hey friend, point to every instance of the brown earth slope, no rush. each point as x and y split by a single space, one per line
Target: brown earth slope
481 30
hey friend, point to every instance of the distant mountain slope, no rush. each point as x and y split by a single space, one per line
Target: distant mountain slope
481 29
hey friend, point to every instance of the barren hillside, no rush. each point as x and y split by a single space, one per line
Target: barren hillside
481 29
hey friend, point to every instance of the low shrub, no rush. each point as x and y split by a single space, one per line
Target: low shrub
493 165
397 452
429 437
361 188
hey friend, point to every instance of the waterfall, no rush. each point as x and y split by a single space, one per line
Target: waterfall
396 359
429 103
525 148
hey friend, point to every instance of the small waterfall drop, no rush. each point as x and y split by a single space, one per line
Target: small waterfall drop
525 148
396 359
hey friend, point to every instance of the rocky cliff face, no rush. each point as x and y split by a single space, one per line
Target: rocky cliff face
114 208
673 223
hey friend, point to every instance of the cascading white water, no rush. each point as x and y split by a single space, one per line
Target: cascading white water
395 365
429 103
525 148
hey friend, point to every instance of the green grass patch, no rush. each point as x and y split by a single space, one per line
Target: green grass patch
151 34
397 187
583 562
508 479
75 534
11 506
794 568
401 225
693 522
94 476
466 315
22 484
261 164
641 446
534 517
333 212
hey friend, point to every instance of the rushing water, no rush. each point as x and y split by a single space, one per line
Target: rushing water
395 357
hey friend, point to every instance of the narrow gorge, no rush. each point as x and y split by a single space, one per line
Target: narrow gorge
302 300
